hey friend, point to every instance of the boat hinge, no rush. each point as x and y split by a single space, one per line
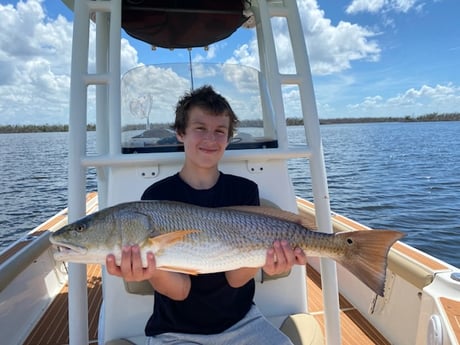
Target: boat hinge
378 303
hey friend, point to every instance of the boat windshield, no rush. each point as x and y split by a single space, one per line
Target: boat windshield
150 93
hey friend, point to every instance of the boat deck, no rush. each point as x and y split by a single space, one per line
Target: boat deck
355 328
53 327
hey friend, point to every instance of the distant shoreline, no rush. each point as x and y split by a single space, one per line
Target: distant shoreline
424 118
289 121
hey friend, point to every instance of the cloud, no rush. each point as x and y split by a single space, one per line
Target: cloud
210 53
35 55
375 6
332 48
141 84
424 100
246 54
372 6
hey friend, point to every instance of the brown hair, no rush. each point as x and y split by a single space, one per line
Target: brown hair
207 99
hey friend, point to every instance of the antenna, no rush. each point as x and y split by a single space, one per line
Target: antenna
190 66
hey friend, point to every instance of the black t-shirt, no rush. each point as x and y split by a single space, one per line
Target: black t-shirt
212 305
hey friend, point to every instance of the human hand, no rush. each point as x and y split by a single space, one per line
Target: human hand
281 257
131 268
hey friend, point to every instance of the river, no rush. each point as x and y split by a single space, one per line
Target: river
402 176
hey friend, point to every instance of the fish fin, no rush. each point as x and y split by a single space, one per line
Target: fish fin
370 254
276 213
169 238
178 270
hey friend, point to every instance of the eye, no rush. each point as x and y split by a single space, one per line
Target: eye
80 227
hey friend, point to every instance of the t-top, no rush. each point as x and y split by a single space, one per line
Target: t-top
212 305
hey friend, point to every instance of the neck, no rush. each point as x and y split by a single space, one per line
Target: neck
204 179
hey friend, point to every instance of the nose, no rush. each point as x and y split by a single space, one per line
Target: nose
209 135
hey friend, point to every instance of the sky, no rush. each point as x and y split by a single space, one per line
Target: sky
369 58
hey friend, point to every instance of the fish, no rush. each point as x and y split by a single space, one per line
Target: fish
198 240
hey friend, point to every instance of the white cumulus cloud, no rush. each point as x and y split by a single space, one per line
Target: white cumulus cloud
332 48
35 55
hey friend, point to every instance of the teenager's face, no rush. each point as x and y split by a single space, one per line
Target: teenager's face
205 138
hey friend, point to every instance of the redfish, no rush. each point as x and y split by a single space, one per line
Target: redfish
195 240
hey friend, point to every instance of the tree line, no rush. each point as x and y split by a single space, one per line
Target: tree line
39 128
423 118
253 123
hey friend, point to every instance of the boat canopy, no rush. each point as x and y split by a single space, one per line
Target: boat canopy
182 23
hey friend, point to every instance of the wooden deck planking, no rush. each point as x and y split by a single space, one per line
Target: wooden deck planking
355 329
53 327
452 309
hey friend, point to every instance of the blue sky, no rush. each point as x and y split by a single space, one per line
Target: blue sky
368 57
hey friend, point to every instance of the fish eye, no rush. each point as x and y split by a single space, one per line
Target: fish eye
349 241
79 227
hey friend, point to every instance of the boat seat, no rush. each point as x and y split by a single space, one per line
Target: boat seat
301 328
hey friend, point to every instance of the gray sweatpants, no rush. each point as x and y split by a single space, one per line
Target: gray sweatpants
253 329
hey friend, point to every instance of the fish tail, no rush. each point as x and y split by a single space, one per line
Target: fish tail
368 261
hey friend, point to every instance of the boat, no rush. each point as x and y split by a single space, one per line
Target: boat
47 302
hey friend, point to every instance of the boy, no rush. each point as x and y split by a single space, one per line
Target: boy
210 308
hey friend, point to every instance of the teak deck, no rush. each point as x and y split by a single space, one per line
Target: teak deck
53 327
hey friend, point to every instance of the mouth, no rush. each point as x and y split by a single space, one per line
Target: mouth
66 249
208 150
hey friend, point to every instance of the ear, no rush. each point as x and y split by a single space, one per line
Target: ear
180 137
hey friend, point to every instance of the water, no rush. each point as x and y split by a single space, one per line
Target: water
402 176
33 171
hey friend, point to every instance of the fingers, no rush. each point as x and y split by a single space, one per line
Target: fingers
133 261
151 264
112 267
131 268
282 257
300 257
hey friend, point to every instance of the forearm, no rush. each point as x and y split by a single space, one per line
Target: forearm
240 277
171 284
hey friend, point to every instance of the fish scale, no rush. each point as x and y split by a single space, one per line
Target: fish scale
195 240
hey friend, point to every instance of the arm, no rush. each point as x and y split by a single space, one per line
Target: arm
240 276
171 284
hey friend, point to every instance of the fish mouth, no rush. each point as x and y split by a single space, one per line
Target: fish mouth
67 249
